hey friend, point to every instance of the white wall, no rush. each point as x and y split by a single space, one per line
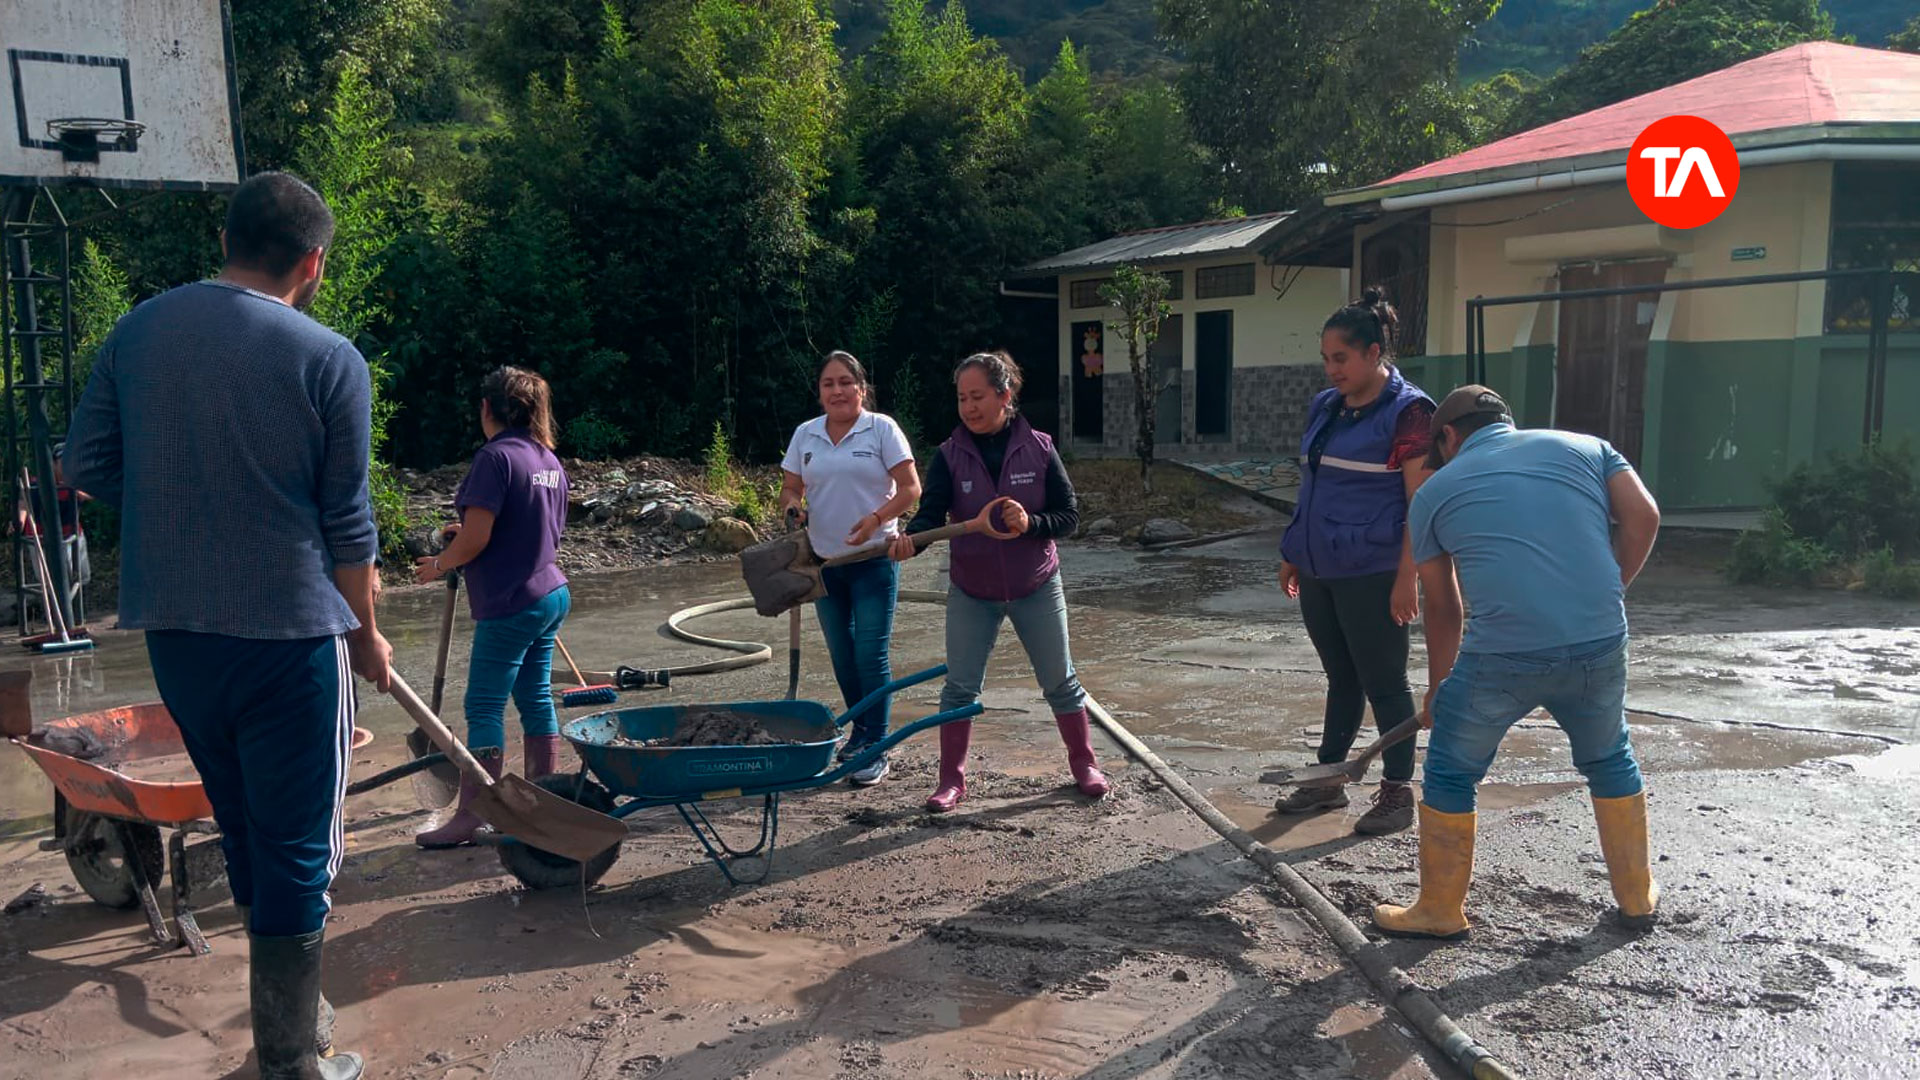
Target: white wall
1268 329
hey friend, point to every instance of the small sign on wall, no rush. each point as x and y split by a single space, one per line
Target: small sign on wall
1749 254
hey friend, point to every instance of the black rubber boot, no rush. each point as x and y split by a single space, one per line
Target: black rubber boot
323 1018
286 1004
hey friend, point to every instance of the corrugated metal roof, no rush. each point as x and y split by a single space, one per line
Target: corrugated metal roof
1172 243
1817 83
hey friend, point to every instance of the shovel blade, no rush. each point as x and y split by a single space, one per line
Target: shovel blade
1340 772
542 819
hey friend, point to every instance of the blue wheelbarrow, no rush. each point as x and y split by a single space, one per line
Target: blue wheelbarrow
684 777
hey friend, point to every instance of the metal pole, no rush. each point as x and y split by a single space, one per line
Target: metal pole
26 332
1480 331
1473 353
1877 357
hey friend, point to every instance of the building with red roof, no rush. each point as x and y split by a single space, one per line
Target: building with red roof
1712 391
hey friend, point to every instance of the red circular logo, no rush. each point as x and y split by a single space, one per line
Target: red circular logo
1683 171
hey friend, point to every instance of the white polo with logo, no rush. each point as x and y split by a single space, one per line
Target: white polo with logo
846 482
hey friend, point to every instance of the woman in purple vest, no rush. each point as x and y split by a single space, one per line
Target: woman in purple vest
996 456
513 508
1346 557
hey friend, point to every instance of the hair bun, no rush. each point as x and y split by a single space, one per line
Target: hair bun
1372 295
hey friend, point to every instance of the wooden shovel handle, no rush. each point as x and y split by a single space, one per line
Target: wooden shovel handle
1399 733
931 536
455 750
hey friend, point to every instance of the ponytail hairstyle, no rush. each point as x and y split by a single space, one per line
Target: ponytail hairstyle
855 368
1001 372
518 398
1369 320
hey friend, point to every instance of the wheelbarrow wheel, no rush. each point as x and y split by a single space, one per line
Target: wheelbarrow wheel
98 859
538 869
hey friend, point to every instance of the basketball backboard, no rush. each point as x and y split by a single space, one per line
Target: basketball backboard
118 93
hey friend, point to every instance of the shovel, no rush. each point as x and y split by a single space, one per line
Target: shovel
512 805
782 574
435 787
1344 772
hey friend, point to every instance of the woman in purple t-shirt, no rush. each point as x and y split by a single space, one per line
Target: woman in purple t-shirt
513 507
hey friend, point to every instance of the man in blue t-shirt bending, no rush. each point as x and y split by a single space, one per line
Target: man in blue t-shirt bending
1523 519
231 430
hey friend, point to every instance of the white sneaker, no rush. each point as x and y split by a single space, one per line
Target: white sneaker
872 774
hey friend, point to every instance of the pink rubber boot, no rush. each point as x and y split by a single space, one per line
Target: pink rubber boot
1086 771
952 786
540 756
460 828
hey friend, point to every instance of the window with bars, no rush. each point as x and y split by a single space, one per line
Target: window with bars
1086 294
1876 222
1216 282
1395 262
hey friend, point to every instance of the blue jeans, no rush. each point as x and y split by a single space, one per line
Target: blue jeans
856 618
513 655
268 725
1583 686
1040 619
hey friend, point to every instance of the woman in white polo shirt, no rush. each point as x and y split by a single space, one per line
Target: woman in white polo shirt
854 472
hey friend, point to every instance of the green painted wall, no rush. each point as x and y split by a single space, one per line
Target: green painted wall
1840 414
1723 422
1725 417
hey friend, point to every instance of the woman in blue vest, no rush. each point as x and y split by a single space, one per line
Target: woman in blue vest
996 456
1346 558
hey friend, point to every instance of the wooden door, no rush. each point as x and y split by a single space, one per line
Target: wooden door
1601 362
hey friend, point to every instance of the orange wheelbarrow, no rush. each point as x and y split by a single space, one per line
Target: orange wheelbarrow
107 819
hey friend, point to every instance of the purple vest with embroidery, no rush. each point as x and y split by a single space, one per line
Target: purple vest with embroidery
983 567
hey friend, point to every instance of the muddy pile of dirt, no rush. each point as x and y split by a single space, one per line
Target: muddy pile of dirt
712 727
620 514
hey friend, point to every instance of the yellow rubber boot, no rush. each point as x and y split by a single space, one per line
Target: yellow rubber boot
1446 866
1623 840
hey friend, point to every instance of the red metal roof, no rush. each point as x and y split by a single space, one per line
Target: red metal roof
1806 85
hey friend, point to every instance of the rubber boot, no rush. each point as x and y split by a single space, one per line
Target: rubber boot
460 828
285 984
952 785
1079 739
1623 840
1446 866
323 1015
540 756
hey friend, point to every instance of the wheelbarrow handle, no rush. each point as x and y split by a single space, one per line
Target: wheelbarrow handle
894 738
888 691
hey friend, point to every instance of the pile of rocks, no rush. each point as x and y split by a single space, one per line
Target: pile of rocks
619 514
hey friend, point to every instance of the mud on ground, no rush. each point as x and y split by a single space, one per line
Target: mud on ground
1031 934
1034 935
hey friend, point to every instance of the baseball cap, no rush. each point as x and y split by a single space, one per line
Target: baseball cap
1466 401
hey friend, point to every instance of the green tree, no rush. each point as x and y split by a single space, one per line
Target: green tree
1671 42
1291 96
351 160
1150 170
1907 38
939 162
1141 296
101 294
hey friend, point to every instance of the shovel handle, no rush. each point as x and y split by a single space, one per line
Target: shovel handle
455 750
1395 735
446 640
923 539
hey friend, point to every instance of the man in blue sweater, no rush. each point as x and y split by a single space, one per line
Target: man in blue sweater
232 432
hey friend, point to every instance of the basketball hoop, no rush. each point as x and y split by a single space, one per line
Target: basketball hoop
82 138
